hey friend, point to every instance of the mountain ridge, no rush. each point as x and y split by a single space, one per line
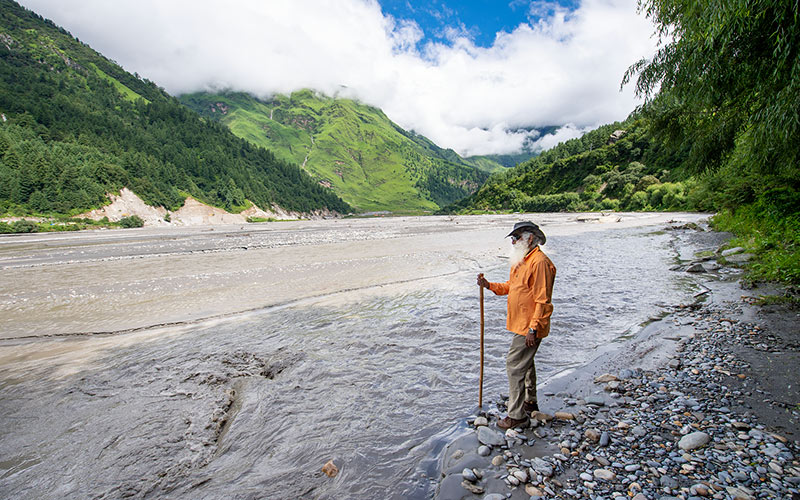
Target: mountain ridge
353 148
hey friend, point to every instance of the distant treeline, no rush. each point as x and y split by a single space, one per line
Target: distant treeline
75 126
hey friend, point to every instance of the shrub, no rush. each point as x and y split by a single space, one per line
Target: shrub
24 226
564 202
131 221
638 201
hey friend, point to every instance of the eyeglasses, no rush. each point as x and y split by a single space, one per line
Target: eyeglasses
515 237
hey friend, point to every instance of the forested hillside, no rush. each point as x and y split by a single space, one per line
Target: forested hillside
615 167
75 126
369 161
719 131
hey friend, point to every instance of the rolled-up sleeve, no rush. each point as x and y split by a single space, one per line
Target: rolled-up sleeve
499 288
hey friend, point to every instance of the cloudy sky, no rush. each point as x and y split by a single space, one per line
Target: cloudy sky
470 75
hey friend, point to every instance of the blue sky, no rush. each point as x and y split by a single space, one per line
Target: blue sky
481 20
474 76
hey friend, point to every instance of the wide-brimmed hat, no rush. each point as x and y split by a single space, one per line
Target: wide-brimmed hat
528 226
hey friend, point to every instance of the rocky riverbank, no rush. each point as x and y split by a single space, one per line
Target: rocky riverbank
706 406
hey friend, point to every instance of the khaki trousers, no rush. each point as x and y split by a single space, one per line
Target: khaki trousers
521 371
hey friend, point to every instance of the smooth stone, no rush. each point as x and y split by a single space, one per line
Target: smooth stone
564 415
494 496
776 468
521 475
484 451
595 399
533 491
490 437
668 482
740 493
586 476
469 475
694 440
457 455
606 377
602 461
632 467
696 268
541 416
738 258
732 251
639 431
480 421
498 460
604 474
592 435
605 438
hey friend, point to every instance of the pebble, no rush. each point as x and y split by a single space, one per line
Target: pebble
592 435
480 421
694 440
602 461
484 451
490 437
673 433
533 491
604 474
469 475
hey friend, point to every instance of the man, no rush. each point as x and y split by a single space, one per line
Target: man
530 290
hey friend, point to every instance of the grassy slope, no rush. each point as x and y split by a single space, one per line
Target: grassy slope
369 161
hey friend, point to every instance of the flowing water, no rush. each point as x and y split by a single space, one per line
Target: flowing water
358 342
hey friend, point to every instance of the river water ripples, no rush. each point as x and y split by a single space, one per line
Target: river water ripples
252 405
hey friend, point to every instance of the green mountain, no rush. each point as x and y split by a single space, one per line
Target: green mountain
354 149
74 126
616 166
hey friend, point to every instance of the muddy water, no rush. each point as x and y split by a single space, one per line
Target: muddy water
355 341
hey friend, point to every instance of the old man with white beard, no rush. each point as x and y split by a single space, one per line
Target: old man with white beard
530 290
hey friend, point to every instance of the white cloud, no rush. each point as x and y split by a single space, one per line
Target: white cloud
563 69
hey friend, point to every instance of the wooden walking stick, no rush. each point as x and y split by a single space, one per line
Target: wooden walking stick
480 391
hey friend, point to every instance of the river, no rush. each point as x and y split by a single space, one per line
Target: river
234 361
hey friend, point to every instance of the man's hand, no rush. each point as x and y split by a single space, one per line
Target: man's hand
530 339
482 281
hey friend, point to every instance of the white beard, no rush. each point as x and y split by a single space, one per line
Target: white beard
518 253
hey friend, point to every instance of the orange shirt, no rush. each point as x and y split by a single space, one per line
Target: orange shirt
530 291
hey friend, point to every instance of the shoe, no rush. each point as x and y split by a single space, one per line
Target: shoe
508 422
530 407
